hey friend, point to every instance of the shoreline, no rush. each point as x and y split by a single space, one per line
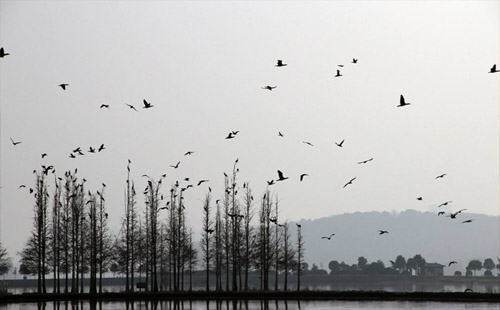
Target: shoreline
259 295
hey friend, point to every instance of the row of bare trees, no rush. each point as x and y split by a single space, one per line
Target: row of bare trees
154 248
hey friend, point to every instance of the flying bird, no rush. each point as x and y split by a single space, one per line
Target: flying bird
330 237
131 106
340 144
72 155
308 143
188 153
235 132
440 213
354 60
350 182
365 161
201 182
91 149
441 176
302 176
176 165
492 70
269 87
454 215
3 53
147 105
15 142
101 148
452 262
468 221
22 186
338 74
230 136
445 203
43 155
381 232
63 86
280 63
402 102
280 176
341 66
280 134
270 182
420 198
298 225
104 106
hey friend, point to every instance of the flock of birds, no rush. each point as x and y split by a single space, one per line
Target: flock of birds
233 134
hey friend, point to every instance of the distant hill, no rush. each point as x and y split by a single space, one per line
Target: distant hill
437 238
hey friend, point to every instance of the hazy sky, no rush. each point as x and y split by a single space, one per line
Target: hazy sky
202 66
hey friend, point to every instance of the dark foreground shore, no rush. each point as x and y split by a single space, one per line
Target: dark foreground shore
258 295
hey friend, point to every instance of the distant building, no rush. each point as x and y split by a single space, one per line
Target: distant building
433 269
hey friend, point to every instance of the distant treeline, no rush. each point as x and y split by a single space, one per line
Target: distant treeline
71 240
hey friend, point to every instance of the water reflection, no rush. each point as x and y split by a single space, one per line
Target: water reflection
244 305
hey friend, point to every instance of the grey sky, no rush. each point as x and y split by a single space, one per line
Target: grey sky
202 66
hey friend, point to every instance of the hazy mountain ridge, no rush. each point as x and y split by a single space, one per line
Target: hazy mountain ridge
437 238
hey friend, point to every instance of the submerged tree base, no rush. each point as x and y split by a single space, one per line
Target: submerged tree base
261 295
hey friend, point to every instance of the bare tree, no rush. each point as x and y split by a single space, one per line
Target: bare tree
300 254
206 236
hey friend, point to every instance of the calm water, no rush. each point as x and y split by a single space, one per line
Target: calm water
250 305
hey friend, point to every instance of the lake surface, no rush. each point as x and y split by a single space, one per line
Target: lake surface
248 305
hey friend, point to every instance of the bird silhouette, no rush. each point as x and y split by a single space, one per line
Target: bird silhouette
104 106
381 232
365 161
329 237
298 225
188 153
402 102
131 106
230 136
176 165
44 155
3 53
280 176
468 221
492 70
341 66
452 262
269 87
280 63
302 176
445 203
440 176
454 215
420 198
64 85
468 290
340 144
280 134
308 143
72 155
440 213
201 182
147 105
15 142
22 186
91 149
350 182
270 182
354 61
338 74
235 132
101 148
